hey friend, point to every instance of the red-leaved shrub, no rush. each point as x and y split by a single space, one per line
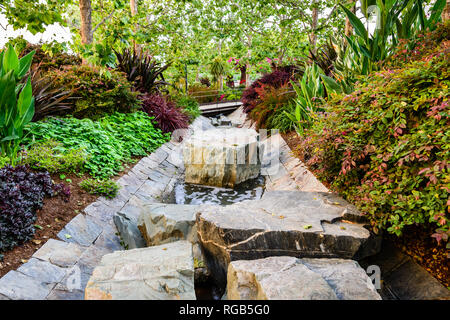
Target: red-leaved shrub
166 114
276 79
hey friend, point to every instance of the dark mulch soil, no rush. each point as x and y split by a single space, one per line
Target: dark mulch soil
416 241
53 216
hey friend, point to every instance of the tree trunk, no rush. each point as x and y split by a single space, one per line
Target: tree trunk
134 11
446 13
348 25
86 22
243 70
315 18
221 82
134 7
247 76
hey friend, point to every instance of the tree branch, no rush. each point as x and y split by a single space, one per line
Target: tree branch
103 21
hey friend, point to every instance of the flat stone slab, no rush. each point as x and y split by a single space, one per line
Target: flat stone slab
164 272
282 223
289 278
17 286
42 271
162 223
222 157
82 230
59 253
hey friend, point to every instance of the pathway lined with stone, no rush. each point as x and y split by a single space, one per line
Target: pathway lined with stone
299 241
60 269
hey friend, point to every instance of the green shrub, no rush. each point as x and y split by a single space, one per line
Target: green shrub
52 156
385 147
188 105
271 102
109 142
204 94
16 101
3 161
106 188
280 121
98 92
49 61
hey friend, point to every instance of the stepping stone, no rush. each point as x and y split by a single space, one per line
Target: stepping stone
162 223
289 278
43 271
60 253
17 286
82 230
222 157
283 223
164 272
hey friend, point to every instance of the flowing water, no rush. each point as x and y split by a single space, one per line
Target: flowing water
186 193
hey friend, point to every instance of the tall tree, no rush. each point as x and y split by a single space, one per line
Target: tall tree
87 35
348 26
446 12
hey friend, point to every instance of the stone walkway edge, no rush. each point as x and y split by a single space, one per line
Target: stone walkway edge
60 269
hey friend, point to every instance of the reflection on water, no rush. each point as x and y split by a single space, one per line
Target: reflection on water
186 193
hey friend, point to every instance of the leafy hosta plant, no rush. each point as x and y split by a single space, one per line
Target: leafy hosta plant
16 101
109 141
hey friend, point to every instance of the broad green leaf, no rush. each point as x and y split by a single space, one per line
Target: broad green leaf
25 63
356 23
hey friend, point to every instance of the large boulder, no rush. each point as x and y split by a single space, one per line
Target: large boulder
222 157
289 278
162 223
283 223
164 272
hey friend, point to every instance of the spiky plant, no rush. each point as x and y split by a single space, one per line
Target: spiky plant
50 99
142 69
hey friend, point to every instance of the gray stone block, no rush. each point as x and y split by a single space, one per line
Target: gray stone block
82 230
59 253
281 223
43 271
17 286
163 272
289 278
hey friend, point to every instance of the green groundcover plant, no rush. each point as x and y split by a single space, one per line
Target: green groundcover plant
106 188
386 146
108 142
52 156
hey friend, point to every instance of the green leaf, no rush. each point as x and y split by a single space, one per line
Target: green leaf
25 64
356 23
10 61
436 12
331 84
